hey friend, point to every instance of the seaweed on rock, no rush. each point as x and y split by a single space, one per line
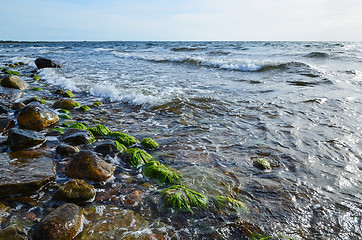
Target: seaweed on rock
120 146
223 201
78 126
164 174
99 130
149 143
123 138
136 157
180 197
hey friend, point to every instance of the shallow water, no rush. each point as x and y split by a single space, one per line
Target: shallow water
216 106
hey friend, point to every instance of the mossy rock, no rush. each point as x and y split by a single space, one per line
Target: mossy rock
75 191
229 202
262 164
120 146
64 111
35 77
13 233
12 81
149 143
84 108
9 72
99 130
78 126
162 173
136 157
123 138
66 103
37 89
183 198
64 116
97 104
68 93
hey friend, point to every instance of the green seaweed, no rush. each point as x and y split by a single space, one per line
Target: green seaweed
78 126
136 157
123 138
9 72
67 125
262 163
97 104
84 108
37 89
164 174
99 130
67 93
223 201
258 236
149 143
64 111
180 197
58 129
36 77
64 116
120 146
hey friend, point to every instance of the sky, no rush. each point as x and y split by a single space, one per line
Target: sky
181 20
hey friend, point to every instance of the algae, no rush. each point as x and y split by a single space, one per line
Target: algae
162 173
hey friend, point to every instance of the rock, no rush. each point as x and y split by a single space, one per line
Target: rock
13 81
106 147
4 109
36 116
61 224
65 150
107 222
12 233
66 103
77 137
6 124
33 99
262 164
20 139
149 143
17 106
87 165
10 94
23 175
76 191
46 63
4 213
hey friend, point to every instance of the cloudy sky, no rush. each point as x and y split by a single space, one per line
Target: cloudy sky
181 20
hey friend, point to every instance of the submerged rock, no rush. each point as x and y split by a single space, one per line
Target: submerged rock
36 116
46 63
109 146
12 233
65 150
10 94
87 165
24 175
4 109
61 224
20 139
13 81
66 103
76 191
262 164
77 137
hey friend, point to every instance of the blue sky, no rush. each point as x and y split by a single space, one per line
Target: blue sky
53 20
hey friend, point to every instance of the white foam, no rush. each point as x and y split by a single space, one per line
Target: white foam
53 77
27 60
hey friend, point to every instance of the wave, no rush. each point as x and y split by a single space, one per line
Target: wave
317 55
187 49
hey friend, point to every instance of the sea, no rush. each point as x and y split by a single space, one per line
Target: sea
217 107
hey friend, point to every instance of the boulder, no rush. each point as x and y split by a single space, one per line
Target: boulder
13 81
66 103
36 116
12 233
46 63
61 224
20 139
77 137
106 147
6 124
24 175
65 150
87 165
76 191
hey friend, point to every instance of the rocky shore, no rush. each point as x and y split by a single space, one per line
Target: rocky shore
60 159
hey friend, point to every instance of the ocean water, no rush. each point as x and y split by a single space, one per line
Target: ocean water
215 107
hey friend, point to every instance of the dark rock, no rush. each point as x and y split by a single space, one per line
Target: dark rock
20 139
77 137
61 224
10 94
36 116
4 109
21 175
17 106
87 165
6 124
76 191
46 63
106 147
13 81
65 150
66 103
12 233
32 99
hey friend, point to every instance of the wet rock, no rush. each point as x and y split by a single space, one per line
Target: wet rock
66 103
87 165
13 81
76 191
6 124
17 105
262 164
106 147
65 150
12 233
46 63
10 94
61 224
4 109
21 175
20 139
107 221
33 99
3 213
77 137
36 116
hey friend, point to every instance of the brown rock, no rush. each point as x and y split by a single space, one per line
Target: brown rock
87 165
36 116
65 150
12 233
61 224
66 103
76 191
6 124
13 81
